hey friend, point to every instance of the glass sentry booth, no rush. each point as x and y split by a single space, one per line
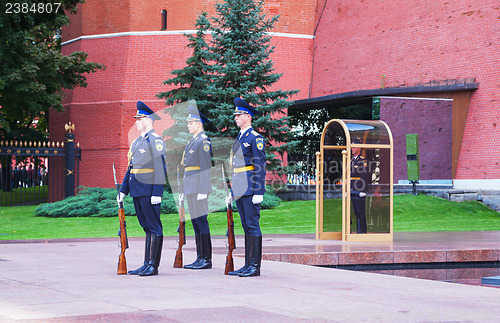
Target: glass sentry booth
354 188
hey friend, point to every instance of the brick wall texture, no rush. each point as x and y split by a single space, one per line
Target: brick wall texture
434 134
390 43
357 45
136 66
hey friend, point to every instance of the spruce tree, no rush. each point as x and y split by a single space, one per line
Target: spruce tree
191 80
190 83
241 49
236 62
190 89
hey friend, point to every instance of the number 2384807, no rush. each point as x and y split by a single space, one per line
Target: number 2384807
32 8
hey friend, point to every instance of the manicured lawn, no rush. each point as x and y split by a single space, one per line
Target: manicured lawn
411 214
427 213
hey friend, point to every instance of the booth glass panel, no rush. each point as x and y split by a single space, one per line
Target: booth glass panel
368 132
376 204
334 135
332 190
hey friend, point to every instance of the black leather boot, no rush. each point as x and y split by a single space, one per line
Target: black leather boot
255 244
198 252
206 252
247 259
147 256
154 263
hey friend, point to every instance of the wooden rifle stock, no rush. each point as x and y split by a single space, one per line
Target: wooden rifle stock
231 243
230 226
182 226
122 262
182 237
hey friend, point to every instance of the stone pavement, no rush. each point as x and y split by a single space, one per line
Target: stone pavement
75 281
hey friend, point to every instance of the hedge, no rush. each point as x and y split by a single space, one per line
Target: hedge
101 202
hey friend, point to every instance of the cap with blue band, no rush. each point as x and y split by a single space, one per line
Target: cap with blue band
195 115
143 111
244 108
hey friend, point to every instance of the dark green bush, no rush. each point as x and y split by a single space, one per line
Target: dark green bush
271 200
101 202
96 202
168 203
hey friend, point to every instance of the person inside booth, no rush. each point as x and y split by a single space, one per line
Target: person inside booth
360 178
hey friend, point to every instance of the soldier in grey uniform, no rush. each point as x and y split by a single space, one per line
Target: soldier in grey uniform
145 181
197 161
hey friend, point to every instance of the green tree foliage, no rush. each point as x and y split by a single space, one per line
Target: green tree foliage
190 83
192 79
308 125
231 58
33 71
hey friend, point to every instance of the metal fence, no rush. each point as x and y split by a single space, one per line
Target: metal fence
32 173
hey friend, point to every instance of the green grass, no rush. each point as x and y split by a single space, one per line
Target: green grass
427 213
29 195
411 214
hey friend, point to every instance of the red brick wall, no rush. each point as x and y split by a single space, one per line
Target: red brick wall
373 44
136 66
111 16
358 45
432 121
103 112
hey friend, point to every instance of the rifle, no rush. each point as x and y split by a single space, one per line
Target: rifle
122 233
181 229
230 226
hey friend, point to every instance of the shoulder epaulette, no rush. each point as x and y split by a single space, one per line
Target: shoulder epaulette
255 133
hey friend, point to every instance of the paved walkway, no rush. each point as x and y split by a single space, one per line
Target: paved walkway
76 281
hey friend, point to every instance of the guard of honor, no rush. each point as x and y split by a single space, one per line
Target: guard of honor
248 160
144 181
197 161
360 178
146 177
